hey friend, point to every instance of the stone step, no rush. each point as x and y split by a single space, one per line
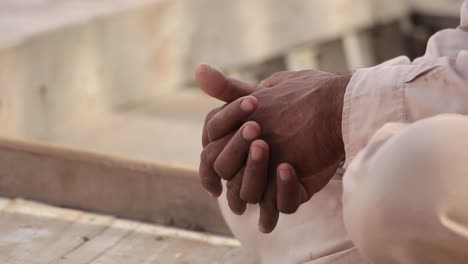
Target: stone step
130 188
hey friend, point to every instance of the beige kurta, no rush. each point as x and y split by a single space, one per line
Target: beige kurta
402 199
404 91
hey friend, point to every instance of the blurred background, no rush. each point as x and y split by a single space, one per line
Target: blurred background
116 76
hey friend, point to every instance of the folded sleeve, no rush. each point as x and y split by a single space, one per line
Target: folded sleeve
405 91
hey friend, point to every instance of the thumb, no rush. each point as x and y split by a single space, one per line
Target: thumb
217 85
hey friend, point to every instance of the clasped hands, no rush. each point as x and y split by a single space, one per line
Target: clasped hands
276 144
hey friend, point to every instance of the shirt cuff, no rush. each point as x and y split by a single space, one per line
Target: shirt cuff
373 97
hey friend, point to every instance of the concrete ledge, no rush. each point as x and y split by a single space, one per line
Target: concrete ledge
136 190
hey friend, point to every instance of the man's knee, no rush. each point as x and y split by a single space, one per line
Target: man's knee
423 153
409 181
428 146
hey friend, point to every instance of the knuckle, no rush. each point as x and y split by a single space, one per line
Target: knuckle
278 74
211 114
206 156
211 129
233 188
222 170
306 72
216 127
219 170
277 78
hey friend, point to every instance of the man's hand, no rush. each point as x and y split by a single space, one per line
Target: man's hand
300 119
238 108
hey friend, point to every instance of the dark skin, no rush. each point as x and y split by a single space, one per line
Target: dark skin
297 115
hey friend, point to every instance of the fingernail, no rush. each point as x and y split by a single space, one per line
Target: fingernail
256 153
262 229
284 173
247 105
249 133
203 68
262 84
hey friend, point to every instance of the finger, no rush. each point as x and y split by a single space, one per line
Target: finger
205 139
217 85
268 213
233 186
210 180
277 78
231 117
256 173
290 193
234 155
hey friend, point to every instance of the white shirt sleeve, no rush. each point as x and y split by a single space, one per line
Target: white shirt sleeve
405 91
